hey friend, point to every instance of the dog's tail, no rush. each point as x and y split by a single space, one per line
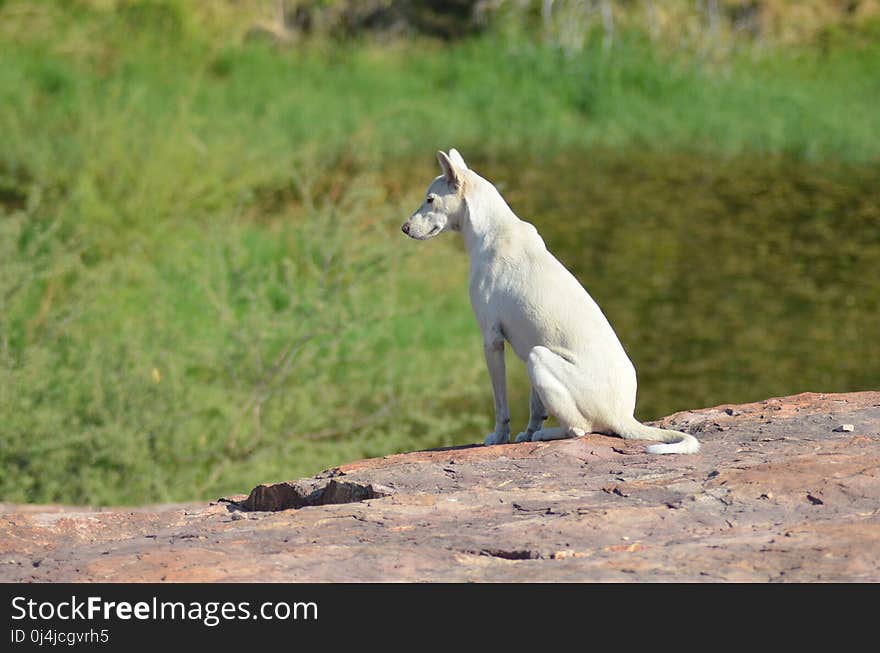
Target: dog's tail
674 441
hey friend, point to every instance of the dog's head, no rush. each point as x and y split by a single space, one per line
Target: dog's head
444 201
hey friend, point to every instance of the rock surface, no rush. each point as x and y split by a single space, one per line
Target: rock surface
778 493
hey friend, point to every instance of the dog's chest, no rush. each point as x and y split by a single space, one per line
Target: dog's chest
490 281
499 291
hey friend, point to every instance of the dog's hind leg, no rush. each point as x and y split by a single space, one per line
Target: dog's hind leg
553 378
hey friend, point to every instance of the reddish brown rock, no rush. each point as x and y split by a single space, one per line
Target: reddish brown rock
778 493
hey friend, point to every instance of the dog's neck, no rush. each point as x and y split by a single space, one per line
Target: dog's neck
486 216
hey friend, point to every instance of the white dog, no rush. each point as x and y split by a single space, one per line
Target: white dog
521 293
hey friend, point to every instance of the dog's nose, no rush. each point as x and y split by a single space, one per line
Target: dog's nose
405 228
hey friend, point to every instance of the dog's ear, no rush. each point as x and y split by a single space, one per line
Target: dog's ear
456 157
450 170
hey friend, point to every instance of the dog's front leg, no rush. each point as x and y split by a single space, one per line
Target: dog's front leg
493 347
537 416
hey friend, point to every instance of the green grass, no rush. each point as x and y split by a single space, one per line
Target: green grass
202 282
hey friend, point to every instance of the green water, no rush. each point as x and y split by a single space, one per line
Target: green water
726 279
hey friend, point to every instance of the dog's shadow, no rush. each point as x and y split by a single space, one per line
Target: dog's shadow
457 447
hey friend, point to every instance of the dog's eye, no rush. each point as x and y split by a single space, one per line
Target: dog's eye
430 200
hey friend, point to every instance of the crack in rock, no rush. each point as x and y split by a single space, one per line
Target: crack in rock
510 554
310 492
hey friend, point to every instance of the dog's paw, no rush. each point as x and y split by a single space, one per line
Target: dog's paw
553 433
497 438
525 436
